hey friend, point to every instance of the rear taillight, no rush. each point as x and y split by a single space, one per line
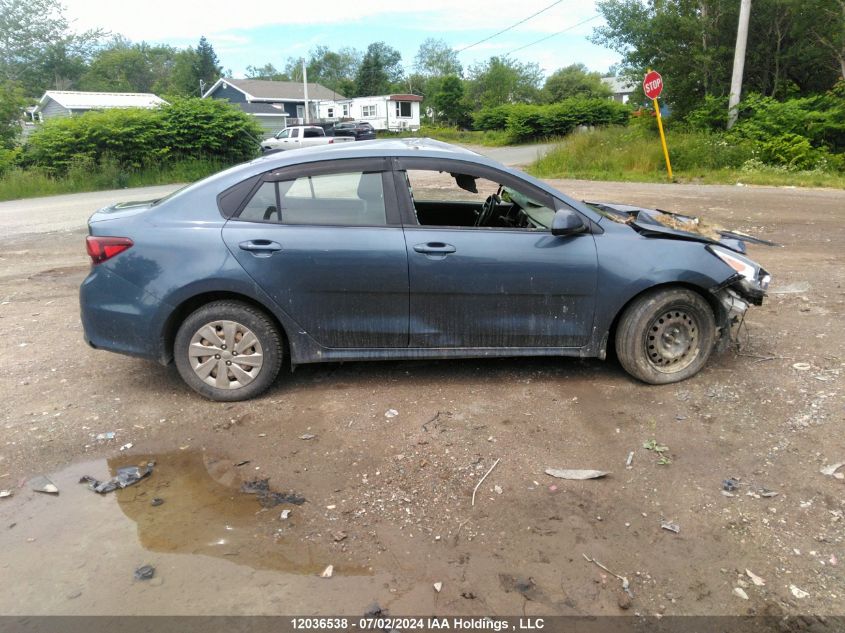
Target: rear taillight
331 140
101 249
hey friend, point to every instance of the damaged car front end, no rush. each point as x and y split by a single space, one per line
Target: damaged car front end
747 285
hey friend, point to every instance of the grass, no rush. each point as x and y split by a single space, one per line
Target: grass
30 183
634 154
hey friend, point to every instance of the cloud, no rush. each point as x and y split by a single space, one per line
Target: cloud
179 19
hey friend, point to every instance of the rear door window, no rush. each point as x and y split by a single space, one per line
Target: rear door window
352 198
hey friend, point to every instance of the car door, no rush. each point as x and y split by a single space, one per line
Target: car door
492 287
325 241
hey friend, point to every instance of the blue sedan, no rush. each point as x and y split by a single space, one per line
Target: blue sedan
404 249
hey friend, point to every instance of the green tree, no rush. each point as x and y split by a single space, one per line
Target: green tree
206 66
126 67
436 58
267 72
38 49
691 42
574 81
380 70
449 101
502 80
12 102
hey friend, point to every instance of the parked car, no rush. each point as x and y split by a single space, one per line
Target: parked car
403 249
298 136
360 130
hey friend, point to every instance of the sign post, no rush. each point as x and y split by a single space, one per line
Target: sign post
653 86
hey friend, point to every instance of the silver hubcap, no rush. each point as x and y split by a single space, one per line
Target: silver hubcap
225 354
671 340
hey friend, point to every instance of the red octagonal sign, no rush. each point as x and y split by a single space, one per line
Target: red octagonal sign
653 84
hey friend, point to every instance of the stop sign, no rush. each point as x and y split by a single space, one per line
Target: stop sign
653 84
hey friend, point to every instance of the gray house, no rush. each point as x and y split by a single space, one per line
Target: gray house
62 103
621 87
274 104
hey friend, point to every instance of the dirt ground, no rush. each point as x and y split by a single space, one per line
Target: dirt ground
389 499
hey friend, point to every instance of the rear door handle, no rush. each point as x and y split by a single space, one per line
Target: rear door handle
260 248
435 248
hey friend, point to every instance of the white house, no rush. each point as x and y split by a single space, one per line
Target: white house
62 103
621 88
395 112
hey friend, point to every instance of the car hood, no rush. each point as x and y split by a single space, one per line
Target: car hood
659 223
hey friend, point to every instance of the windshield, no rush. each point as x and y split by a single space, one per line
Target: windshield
536 212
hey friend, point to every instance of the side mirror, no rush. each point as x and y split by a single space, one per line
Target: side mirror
567 222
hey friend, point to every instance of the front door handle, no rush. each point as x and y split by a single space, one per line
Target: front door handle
260 248
435 248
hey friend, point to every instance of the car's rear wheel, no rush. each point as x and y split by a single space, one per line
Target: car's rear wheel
666 335
228 351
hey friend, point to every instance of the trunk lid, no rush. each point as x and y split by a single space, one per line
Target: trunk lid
120 210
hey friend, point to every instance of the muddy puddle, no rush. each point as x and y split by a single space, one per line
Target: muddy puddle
76 552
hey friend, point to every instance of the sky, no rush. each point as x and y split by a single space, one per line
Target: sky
255 32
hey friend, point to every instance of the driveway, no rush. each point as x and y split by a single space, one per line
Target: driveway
389 498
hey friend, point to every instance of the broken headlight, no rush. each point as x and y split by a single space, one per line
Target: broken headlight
750 270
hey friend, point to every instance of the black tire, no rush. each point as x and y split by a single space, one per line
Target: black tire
666 335
250 320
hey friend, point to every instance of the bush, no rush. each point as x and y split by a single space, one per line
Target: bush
133 139
9 158
526 122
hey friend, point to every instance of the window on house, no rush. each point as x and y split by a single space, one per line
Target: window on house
330 113
345 108
403 109
368 111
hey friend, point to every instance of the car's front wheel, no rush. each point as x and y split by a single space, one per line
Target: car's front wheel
228 351
666 335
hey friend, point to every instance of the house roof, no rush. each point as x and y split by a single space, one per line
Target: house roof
620 85
264 90
262 108
74 100
404 97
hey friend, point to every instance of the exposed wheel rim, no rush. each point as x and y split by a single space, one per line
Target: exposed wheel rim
672 340
225 354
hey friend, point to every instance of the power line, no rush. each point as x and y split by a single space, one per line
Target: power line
533 15
548 37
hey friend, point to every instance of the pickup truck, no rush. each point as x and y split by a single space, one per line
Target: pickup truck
300 136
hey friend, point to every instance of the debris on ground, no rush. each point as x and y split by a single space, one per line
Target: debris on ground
307 436
105 436
126 476
739 592
468 595
802 366
285 515
391 413
526 587
798 593
242 463
630 460
126 446
576 474
43 484
327 572
5 493
498 489
660 450
730 485
269 498
339 535
375 611
482 479
145 572
626 586
624 601
831 469
672 527
157 501
755 578
438 586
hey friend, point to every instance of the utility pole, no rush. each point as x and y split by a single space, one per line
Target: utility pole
305 89
739 62
202 87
